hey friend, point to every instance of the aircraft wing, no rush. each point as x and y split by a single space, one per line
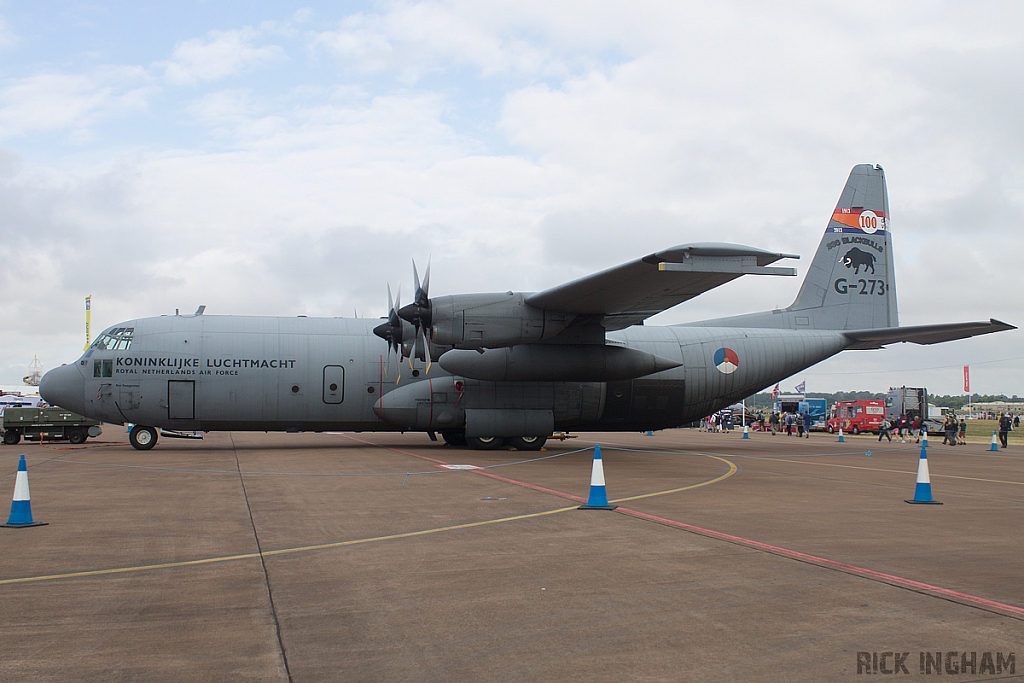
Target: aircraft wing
632 292
923 334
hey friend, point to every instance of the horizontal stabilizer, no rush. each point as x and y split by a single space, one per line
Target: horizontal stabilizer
922 334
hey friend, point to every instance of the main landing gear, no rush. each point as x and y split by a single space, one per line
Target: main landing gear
457 437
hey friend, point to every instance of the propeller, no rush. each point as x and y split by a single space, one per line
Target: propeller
407 329
392 331
419 314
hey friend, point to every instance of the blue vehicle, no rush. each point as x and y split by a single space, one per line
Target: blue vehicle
818 410
799 403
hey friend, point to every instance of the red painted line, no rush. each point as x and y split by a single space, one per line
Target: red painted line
863 572
831 564
380 382
397 450
534 487
482 473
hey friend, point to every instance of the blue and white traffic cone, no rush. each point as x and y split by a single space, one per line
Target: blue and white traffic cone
21 507
598 499
840 439
923 491
924 439
745 434
995 443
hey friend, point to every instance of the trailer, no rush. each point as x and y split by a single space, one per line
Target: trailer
913 402
47 424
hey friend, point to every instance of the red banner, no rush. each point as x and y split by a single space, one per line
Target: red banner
967 379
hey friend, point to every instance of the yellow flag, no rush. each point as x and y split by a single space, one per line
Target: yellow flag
88 311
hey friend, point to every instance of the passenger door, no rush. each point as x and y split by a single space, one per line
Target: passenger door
334 384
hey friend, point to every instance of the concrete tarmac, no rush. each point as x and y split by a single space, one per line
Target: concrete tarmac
365 557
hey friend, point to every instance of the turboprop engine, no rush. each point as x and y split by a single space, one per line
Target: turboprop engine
478 321
472 321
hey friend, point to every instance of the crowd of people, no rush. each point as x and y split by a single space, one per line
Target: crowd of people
954 427
906 428
776 422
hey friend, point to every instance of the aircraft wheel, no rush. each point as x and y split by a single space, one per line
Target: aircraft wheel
485 443
12 437
855 431
454 437
142 438
77 436
528 443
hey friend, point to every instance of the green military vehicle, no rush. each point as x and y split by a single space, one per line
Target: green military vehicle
37 424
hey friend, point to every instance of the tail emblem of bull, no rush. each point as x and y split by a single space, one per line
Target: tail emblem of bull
857 259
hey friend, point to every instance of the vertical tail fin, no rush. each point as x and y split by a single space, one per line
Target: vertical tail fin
851 282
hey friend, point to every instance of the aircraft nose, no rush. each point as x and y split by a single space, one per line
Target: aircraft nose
64 387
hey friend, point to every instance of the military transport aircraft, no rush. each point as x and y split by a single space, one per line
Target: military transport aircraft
510 368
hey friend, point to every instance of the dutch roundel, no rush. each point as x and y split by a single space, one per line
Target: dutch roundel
726 361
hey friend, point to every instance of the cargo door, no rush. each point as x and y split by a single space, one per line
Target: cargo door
334 384
181 399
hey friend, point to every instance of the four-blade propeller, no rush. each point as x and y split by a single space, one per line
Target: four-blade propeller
392 331
407 329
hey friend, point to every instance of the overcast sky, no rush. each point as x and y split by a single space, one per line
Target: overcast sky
291 159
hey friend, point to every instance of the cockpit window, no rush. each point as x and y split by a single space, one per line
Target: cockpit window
103 367
115 339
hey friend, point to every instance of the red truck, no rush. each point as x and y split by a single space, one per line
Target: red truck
856 416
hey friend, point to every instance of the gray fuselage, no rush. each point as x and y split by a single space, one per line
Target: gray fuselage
317 374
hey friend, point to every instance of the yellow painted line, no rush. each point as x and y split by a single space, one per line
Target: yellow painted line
879 469
282 551
124 570
358 541
732 470
413 534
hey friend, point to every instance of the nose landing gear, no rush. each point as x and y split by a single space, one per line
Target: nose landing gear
142 438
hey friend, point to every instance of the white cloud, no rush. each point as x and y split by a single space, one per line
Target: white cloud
219 55
7 36
58 101
415 39
709 122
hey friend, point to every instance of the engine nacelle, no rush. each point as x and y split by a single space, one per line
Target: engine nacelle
424 405
555 363
478 321
490 408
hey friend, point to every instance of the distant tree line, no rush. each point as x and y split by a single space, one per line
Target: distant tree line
958 401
